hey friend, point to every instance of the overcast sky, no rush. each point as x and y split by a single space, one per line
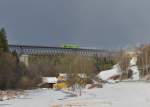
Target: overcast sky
89 23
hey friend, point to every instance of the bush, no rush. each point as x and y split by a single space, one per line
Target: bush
7 71
14 74
25 83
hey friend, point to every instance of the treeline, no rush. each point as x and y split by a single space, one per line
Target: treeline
144 59
15 75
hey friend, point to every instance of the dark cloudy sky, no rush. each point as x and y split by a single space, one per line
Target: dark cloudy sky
89 23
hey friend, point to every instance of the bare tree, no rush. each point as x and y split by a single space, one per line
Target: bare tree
79 70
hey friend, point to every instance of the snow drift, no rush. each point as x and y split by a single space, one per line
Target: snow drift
106 75
116 71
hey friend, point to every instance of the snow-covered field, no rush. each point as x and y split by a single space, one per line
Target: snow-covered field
124 94
35 98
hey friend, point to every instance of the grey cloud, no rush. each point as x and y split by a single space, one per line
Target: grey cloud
89 23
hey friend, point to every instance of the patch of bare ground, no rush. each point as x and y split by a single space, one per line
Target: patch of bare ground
83 103
10 94
147 77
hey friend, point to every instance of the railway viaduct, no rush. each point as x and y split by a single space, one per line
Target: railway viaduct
24 51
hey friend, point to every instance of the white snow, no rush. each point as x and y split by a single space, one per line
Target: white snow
49 79
134 68
136 74
123 94
116 70
133 61
126 94
107 74
35 98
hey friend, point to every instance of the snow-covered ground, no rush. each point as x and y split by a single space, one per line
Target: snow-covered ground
124 94
35 98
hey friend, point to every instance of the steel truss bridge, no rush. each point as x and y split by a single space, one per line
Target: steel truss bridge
45 50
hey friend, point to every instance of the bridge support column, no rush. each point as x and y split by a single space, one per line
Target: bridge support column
24 59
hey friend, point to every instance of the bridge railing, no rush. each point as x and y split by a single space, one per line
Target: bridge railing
44 50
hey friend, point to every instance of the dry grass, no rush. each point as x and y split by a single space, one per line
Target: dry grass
83 103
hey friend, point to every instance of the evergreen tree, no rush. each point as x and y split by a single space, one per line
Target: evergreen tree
3 41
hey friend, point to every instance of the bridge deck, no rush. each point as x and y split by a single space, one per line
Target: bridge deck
45 50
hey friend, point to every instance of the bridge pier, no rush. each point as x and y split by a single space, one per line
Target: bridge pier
24 59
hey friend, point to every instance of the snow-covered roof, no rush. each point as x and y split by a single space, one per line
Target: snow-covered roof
49 79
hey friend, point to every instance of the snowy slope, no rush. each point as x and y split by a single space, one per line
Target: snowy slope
107 74
35 98
124 94
129 94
